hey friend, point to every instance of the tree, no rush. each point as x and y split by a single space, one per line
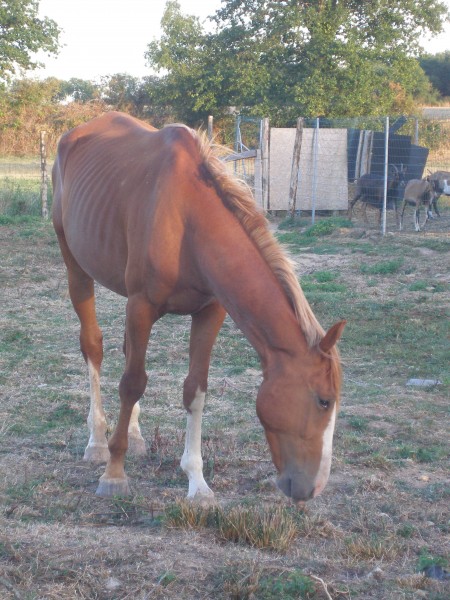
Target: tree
188 87
285 58
22 33
437 69
78 90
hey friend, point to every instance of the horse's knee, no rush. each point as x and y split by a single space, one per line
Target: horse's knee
91 346
192 388
132 386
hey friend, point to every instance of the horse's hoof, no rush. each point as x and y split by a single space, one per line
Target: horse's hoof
136 446
203 498
107 488
96 453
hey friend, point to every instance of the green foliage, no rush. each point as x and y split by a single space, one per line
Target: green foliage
22 34
426 560
288 585
283 59
384 267
437 69
327 226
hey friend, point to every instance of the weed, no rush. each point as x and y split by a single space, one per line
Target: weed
370 547
287 585
271 528
187 515
246 581
327 226
426 560
386 267
167 578
358 423
407 530
267 528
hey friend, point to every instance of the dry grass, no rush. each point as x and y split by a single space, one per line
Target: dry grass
382 518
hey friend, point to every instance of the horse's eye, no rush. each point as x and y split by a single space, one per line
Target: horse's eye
324 403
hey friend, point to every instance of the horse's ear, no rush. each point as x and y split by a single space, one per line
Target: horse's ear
332 336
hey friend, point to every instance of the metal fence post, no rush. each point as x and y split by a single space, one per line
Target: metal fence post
314 178
265 162
386 168
44 175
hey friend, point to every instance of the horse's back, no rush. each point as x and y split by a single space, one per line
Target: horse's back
121 194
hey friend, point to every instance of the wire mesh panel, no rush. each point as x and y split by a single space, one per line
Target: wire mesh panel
20 181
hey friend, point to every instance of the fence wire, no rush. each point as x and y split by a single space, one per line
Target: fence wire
419 145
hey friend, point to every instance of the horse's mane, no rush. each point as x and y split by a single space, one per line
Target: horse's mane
238 198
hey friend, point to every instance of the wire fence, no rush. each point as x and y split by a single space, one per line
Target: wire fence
334 155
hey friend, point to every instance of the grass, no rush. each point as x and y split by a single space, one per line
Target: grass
387 500
265 528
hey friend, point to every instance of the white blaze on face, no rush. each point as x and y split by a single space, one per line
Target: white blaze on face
327 451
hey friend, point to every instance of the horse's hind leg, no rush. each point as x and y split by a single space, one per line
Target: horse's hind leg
81 290
140 318
205 327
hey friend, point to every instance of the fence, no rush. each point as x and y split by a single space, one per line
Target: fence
315 167
311 168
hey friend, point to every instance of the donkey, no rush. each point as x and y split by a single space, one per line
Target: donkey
370 190
420 192
441 183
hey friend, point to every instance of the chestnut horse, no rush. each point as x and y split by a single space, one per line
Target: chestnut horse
155 216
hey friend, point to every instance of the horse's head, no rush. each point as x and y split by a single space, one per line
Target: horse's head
298 413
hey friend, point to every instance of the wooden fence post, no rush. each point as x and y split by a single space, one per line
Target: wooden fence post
44 176
295 166
265 163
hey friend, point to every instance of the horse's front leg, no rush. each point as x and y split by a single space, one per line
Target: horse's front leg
136 443
205 327
140 318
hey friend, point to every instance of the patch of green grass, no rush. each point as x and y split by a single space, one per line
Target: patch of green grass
292 584
407 530
358 423
325 276
426 560
167 578
247 581
420 454
421 286
385 267
294 234
327 226
23 492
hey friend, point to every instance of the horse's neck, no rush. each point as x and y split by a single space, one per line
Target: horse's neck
245 285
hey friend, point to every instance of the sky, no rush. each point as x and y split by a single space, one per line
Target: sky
104 37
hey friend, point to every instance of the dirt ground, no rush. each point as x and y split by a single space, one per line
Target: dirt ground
383 518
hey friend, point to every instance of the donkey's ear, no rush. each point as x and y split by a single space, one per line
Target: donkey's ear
332 336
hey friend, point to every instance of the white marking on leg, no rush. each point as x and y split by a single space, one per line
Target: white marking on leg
97 448
136 442
191 461
327 450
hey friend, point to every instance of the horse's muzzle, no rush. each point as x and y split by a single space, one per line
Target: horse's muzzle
297 486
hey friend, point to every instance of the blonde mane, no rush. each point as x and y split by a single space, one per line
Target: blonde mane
238 198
